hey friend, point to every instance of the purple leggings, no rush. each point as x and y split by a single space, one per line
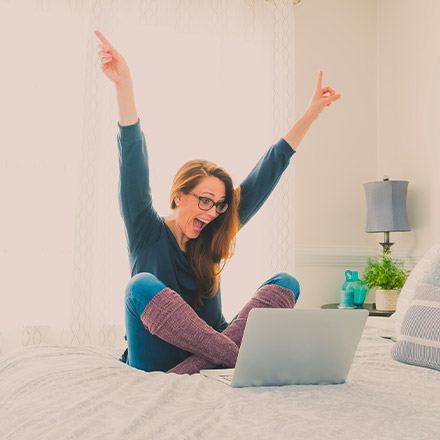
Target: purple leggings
148 352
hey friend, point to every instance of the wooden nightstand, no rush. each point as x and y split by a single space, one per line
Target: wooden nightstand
370 307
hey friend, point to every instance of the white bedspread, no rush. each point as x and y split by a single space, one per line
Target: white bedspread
66 392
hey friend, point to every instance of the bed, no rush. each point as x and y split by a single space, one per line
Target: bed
70 392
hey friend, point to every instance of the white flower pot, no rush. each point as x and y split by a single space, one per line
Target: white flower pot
386 300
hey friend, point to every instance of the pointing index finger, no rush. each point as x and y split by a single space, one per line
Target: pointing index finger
102 38
319 82
110 48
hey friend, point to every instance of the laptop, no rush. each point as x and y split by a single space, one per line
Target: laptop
295 347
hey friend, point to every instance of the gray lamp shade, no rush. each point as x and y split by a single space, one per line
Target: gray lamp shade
386 206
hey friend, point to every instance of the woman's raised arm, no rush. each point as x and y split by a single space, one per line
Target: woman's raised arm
116 69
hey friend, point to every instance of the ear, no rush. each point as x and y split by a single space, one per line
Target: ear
177 200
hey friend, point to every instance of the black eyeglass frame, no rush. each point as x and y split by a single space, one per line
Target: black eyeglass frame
222 205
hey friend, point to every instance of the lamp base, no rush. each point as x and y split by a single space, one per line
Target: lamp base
386 244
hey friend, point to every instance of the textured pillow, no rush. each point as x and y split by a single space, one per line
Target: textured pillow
426 271
419 339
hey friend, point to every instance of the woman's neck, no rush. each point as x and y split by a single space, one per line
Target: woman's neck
171 222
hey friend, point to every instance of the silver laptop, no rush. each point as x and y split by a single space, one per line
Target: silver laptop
295 347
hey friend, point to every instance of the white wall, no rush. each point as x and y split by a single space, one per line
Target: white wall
383 57
339 153
408 117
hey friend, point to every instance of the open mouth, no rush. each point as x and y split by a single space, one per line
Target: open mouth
199 224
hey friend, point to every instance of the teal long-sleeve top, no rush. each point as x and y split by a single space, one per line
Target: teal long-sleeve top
152 246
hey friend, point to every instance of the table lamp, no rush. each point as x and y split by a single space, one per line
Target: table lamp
386 208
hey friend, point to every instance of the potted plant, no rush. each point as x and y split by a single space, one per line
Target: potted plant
388 276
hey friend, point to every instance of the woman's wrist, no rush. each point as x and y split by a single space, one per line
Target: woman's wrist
124 82
126 103
310 116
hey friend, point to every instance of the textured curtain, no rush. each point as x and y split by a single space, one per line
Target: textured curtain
213 79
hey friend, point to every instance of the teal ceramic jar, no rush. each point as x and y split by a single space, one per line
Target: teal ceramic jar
352 282
346 299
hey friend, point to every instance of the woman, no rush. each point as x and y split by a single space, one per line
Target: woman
174 320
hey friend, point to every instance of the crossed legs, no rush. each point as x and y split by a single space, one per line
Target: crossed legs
163 330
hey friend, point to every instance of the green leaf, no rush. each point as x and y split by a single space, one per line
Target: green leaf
386 273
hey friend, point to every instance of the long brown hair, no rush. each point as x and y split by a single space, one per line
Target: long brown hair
208 254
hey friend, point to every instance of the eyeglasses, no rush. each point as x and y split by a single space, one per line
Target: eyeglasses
205 204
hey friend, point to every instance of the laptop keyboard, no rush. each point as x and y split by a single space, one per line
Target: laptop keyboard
227 377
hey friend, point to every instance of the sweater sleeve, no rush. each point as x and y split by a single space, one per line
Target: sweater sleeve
261 181
142 223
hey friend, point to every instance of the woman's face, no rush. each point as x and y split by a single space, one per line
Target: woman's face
190 218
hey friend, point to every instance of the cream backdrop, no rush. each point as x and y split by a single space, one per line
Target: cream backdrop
58 168
384 58
213 79
408 66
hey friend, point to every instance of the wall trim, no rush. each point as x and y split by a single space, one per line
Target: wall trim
344 256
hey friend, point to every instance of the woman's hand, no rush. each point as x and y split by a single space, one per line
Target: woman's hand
115 68
112 62
322 98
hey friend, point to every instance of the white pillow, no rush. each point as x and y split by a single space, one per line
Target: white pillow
419 339
426 271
